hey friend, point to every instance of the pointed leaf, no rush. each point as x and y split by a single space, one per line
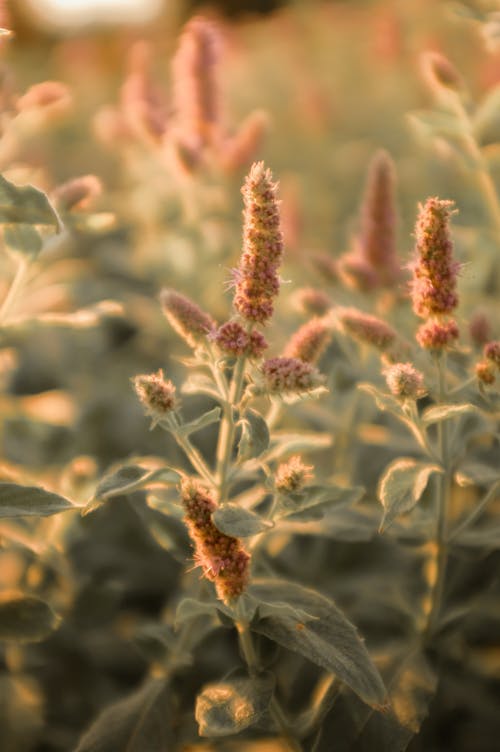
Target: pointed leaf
189 608
140 722
28 501
25 205
285 443
314 501
241 523
445 412
24 618
402 485
254 436
212 416
229 707
128 479
330 640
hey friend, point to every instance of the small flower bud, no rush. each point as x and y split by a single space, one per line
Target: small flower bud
156 394
480 329
222 558
289 375
440 73
185 317
326 266
492 352
356 273
310 341
436 335
51 95
366 328
292 476
238 151
78 193
311 300
233 339
485 372
405 381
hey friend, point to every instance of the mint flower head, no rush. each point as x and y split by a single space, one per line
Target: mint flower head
186 317
291 476
221 557
366 328
233 339
289 375
437 335
405 381
434 285
309 341
256 279
156 394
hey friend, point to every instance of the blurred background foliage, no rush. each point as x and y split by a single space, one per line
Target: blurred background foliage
336 81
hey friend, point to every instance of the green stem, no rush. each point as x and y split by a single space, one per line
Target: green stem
14 288
227 430
275 709
194 457
442 503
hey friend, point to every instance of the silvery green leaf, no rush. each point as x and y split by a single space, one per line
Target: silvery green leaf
434 123
329 640
212 416
25 205
24 618
24 501
446 412
23 238
402 485
286 443
227 708
200 383
383 401
128 479
314 501
476 474
142 721
254 436
241 523
189 608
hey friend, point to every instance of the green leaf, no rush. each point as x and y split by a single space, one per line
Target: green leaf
476 474
229 707
24 618
25 205
233 520
254 436
435 123
313 502
23 238
142 721
384 402
402 485
330 640
29 501
200 383
445 412
212 416
128 479
189 608
285 443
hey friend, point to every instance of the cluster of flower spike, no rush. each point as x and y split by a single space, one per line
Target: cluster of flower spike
222 557
233 339
404 381
186 317
256 278
309 341
156 394
434 285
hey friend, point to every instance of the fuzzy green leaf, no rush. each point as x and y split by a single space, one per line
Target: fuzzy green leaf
24 618
254 436
314 501
212 416
29 501
23 238
25 205
229 707
128 479
446 412
140 722
285 444
233 520
329 640
189 608
402 485
200 383
385 402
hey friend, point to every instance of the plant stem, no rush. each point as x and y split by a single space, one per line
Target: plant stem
194 457
442 503
227 430
275 708
14 288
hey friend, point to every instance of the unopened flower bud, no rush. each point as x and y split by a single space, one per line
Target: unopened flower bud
440 73
405 381
311 300
289 375
437 335
480 329
78 193
485 372
492 352
156 394
310 341
240 150
366 328
292 476
185 317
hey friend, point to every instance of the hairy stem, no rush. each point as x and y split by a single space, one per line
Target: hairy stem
194 457
227 430
442 503
275 709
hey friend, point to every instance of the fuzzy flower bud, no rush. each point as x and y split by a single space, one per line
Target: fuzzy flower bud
485 372
256 278
77 193
492 352
326 266
156 394
196 91
233 339
355 272
366 328
434 282
222 558
242 148
188 320
440 73
480 329
405 381
288 375
292 476
310 341
437 335
311 300
51 96
142 103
